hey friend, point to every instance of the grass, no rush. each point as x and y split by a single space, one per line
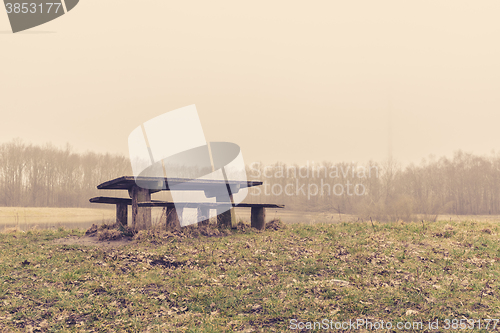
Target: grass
253 281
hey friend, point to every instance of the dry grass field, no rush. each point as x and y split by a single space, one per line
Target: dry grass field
26 218
249 281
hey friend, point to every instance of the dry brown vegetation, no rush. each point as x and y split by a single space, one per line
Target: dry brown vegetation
250 281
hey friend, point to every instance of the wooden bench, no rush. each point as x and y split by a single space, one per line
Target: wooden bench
258 213
141 216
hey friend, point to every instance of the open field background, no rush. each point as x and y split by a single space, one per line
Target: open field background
26 218
82 218
248 281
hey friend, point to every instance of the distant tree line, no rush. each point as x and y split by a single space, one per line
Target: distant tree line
36 176
49 176
464 184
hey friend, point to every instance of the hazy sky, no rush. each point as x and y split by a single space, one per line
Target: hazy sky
286 80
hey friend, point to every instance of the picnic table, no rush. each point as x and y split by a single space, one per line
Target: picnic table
141 188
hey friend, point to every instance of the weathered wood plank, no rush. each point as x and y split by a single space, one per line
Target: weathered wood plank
258 218
171 204
122 214
127 182
205 204
172 219
224 213
224 217
159 203
111 200
248 205
141 216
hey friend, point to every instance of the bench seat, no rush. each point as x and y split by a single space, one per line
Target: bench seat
257 212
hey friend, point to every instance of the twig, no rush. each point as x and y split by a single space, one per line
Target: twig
372 224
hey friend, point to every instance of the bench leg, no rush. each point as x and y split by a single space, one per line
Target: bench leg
258 218
224 217
225 213
122 214
141 216
172 222
203 216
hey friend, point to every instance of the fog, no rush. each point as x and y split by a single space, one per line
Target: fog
288 81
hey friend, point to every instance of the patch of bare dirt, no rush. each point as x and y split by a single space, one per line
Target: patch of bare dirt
105 235
185 232
106 232
93 241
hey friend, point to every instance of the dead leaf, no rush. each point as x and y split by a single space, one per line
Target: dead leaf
411 312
